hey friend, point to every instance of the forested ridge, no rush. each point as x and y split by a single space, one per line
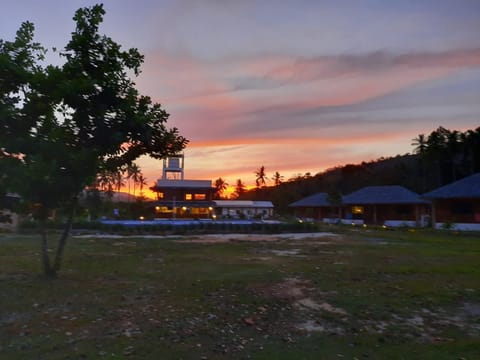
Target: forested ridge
437 159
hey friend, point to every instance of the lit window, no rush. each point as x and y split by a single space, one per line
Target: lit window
159 195
188 196
200 196
357 209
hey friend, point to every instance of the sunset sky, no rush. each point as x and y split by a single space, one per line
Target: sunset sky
297 86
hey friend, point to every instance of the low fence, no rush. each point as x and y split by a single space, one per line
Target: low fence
181 227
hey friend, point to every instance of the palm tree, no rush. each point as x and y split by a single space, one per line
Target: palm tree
133 171
118 178
277 178
136 172
239 188
220 186
420 143
142 181
421 147
103 181
261 177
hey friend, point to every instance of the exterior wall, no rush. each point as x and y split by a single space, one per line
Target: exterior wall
180 194
457 211
184 202
244 212
379 214
317 213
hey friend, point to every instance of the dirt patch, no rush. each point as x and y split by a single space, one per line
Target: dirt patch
304 308
292 252
225 238
291 289
309 304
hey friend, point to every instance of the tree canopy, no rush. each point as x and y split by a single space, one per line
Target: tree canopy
61 126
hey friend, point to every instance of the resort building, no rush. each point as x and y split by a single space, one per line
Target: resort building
178 197
316 207
386 205
243 209
457 205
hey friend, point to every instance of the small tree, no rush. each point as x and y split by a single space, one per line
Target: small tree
60 126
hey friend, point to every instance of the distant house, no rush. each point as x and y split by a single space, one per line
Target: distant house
457 204
178 197
246 209
317 207
385 205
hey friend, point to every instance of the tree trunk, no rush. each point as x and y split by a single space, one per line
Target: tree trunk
63 239
47 269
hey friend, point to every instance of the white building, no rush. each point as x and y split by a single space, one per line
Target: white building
248 209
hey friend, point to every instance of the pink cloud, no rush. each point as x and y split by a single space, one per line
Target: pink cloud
242 113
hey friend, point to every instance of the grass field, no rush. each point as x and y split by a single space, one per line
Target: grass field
360 294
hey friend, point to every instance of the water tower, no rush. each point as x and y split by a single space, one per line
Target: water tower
173 167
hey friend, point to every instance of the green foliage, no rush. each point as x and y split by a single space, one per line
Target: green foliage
405 295
440 158
60 126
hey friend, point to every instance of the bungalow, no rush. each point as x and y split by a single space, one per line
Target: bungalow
385 205
457 205
247 209
317 207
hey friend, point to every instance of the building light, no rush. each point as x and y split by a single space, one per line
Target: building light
188 196
357 209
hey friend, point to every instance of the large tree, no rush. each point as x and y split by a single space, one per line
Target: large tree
61 126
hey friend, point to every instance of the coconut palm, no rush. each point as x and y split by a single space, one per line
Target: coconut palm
261 177
420 143
239 188
277 178
220 187
142 181
133 171
118 178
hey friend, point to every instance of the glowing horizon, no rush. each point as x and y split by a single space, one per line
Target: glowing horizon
292 86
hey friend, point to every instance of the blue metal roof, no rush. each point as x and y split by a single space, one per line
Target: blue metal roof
315 200
393 194
468 187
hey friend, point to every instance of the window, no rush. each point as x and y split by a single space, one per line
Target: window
160 195
402 210
199 211
200 196
462 208
357 210
188 196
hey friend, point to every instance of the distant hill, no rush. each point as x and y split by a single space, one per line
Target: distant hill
122 197
440 158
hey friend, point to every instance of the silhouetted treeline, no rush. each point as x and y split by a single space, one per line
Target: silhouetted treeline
439 158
